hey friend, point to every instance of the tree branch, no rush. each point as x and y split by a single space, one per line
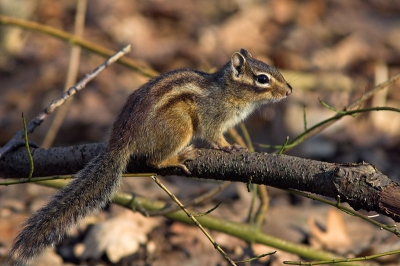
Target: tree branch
361 185
76 40
37 120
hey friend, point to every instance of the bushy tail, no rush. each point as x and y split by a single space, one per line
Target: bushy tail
91 190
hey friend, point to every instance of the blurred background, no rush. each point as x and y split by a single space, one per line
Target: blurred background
328 50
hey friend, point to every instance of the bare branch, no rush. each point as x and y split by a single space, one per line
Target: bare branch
36 121
361 185
73 39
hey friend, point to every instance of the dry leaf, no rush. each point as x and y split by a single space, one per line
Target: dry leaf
9 227
335 238
118 237
48 258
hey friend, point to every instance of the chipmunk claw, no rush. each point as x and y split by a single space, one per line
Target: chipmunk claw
231 148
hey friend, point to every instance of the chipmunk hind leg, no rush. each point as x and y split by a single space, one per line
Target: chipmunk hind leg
177 160
172 148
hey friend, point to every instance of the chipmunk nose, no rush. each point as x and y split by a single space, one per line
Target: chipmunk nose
289 91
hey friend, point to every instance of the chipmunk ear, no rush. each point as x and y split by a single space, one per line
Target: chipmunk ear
237 62
245 53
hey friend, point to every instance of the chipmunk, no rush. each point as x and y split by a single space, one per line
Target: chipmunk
157 123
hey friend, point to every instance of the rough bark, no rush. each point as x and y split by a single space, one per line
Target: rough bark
359 184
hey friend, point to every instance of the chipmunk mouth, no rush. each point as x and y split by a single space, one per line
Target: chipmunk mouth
290 89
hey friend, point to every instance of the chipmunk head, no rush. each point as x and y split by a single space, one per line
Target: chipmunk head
265 82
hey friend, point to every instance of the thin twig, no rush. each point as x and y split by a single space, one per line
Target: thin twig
312 132
305 117
47 178
322 125
284 146
336 110
246 135
28 150
326 123
72 75
257 257
192 202
36 179
264 205
36 121
234 135
305 135
254 193
208 211
390 228
72 39
216 246
334 261
331 107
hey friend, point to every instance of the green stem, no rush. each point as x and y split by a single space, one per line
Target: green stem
91 46
240 230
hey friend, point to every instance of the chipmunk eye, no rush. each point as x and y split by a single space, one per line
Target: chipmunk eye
263 79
